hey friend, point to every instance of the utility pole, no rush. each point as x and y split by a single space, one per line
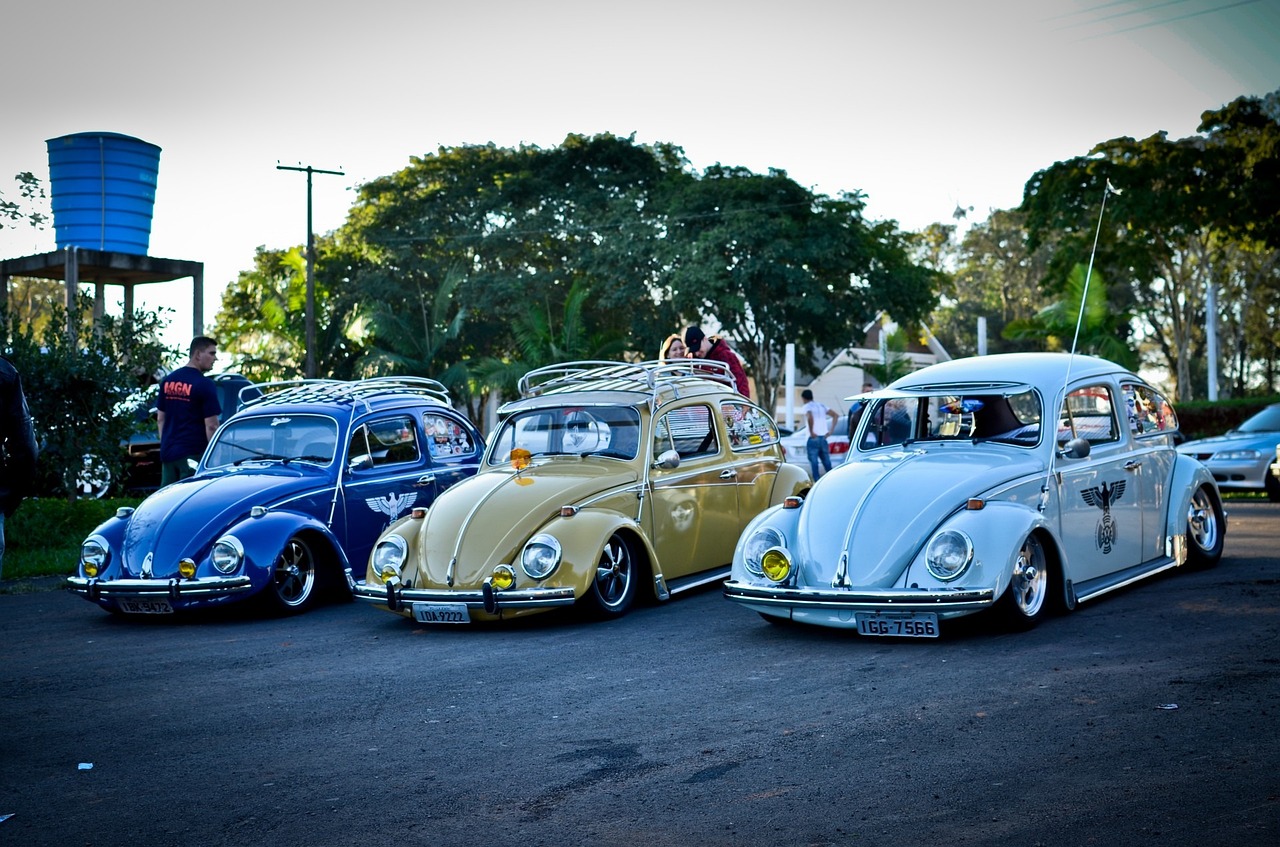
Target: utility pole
311 263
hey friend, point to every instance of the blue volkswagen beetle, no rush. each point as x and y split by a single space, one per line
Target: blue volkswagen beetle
294 488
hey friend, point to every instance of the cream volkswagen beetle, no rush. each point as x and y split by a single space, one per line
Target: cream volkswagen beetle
604 482
954 501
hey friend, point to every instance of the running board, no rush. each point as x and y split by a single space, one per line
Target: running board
664 589
1097 587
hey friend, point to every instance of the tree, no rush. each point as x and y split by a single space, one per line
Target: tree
30 193
1081 321
771 263
542 343
997 277
261 323
83 395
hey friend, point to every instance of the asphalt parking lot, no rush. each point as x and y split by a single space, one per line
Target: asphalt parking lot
1147 717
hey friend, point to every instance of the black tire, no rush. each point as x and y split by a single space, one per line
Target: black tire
1026 601
1206 529
293 578
613 588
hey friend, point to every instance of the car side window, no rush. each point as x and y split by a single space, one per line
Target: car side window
748 426
1149 413
689 430
1089 413
386 442
447 438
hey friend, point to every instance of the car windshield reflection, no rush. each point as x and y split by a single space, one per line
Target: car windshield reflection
1001 418
287 438
610 431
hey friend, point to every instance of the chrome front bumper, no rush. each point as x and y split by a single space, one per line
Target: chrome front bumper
173 589
861 600
486 600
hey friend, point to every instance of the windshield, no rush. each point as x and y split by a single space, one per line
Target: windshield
309 438
1009 419
612 431
1268 420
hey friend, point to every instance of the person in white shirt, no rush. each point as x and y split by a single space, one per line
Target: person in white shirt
820 420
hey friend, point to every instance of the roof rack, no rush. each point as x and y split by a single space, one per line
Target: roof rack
641 377
342 391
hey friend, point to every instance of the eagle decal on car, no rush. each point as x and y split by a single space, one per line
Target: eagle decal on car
393 504
1102 497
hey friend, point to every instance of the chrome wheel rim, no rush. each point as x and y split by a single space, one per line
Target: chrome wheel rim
613 573
1202 521
1030 581
295 574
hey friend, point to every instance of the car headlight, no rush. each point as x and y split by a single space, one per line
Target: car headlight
1239 455
776 564
755 547
93 555
388 557
540 556
948 554
228 554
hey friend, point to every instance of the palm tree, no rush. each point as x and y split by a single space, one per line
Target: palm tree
1094 329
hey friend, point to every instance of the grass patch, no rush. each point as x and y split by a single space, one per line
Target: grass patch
43 537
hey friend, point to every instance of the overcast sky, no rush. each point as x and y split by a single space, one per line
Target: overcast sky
923 106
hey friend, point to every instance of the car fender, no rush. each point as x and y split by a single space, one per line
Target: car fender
997 531
1188 476
792 479
582 537
264 538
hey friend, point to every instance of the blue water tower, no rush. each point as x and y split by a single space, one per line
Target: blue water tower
103 190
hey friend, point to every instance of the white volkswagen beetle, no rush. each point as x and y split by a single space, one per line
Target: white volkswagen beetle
954 501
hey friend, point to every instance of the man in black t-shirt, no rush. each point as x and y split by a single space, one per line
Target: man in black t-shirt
187 411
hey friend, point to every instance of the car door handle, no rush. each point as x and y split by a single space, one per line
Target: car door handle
1131 465
729 474
425 479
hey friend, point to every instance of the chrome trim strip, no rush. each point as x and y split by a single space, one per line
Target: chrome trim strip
201 587
861 600
1132 576
527 598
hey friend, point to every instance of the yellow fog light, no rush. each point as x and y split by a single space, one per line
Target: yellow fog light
503 578
90 570
187 568
776 564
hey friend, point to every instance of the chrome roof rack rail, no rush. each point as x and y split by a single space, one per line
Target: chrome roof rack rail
640 377
342 391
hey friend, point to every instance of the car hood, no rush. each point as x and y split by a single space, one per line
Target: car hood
1265 441
485 520
883 508
184 519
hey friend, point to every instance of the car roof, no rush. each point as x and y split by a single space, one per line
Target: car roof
623 383
324 395
1043 370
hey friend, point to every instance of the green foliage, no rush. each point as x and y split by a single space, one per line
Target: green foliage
83 394
1202 419
894 361
768 262
1197 214
43 537
31 193
476 262
262 323
1082 320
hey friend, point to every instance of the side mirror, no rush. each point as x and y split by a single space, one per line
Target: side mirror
1076 448
364 460
667 460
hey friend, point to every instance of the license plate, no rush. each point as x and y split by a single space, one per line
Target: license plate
904 625
135 606
441 613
